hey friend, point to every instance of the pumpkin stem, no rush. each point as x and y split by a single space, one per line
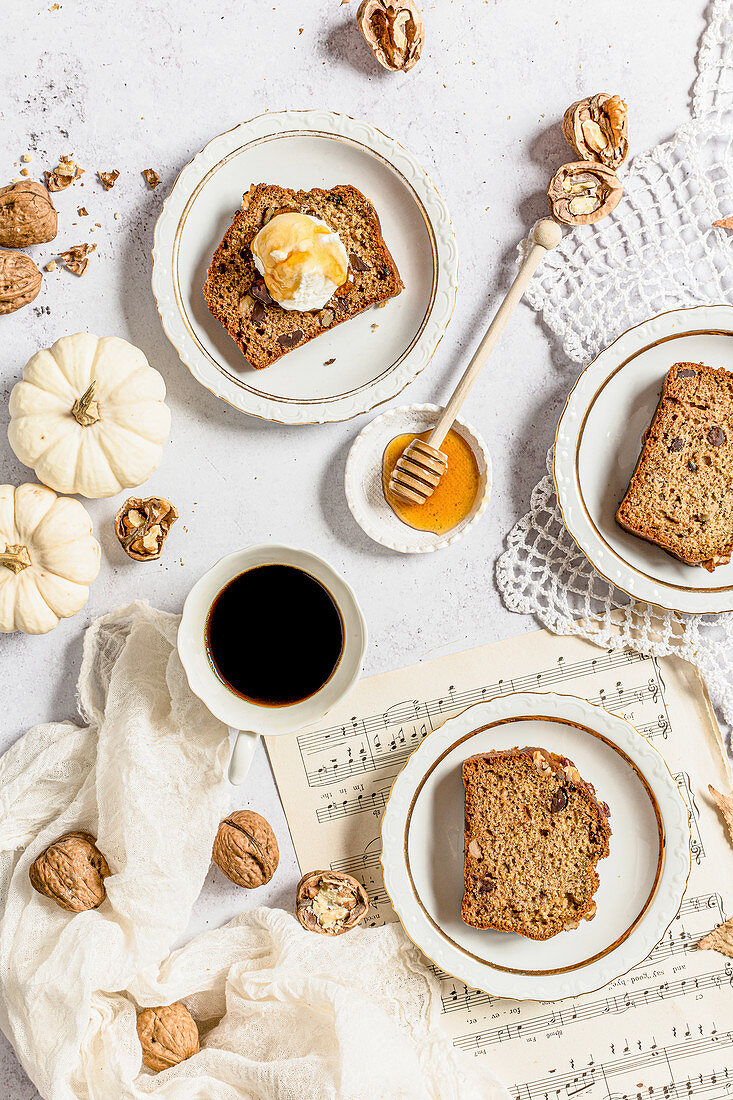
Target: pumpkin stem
15 558
85 409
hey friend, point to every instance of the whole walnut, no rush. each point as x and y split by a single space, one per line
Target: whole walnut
245 849
20 281
71 872
27 215
168 1035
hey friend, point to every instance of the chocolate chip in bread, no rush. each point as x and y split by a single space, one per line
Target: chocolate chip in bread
534 833
236 293
681 493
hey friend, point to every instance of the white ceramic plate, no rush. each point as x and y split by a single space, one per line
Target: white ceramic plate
305 149
642 880
598 442
363 480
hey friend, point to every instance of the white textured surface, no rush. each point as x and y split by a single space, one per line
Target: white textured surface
146 85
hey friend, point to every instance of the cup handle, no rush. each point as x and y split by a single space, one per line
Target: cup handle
245 744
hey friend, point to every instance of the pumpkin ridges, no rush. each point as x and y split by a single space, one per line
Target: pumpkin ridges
34 502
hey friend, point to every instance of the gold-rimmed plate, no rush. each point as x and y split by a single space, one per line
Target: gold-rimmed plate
597 444
642 880
356 366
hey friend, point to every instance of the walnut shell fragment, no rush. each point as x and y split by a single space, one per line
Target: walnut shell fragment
151 178
168 1035
76 259
597 129
108 179
581 193
330 902
27 215
63 175
71 872
394 32
720 939
245 849
20 281
142 526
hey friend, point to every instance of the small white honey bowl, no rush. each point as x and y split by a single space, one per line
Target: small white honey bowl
363 480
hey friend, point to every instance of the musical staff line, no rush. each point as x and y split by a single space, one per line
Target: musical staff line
361 803
412 710
572 1083
385 741
579 1013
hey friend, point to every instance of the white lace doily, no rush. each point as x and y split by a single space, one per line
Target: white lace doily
657 251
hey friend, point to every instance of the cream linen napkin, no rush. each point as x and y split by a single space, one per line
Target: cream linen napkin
282 1013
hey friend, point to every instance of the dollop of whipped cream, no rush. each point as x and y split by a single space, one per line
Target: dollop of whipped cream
302 260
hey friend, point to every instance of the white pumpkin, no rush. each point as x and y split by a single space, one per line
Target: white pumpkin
48 558
89 416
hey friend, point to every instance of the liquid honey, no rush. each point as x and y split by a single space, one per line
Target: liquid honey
456 492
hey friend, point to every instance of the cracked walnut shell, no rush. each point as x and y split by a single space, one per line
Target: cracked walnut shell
168 1035
330 902
597 129
394 32
27 215
20 281
581 193
71 872
245 849
142 526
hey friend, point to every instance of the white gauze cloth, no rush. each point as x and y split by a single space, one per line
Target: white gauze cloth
283 1014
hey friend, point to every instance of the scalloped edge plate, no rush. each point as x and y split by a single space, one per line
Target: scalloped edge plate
395 366
520 968
614 399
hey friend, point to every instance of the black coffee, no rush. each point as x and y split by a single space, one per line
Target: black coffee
274 635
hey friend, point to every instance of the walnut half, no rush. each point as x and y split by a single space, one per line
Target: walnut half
330 902
581 193
168 1035
71 872
394 32
597 129
142 526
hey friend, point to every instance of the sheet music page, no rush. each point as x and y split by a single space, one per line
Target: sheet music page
663 1030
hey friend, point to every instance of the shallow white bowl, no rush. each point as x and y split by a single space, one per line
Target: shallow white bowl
363 480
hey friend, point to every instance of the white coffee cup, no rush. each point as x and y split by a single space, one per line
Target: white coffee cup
248 718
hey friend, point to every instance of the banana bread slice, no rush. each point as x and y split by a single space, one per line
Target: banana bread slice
236 294
681 493
534 833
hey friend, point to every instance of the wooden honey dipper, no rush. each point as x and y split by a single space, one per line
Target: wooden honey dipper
422 464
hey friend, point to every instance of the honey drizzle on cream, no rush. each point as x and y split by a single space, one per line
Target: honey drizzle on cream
456 492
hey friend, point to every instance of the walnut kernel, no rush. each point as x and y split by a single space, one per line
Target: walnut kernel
71 872
142 526
330 902
581 193
597 129
168 1035
394 32
245 849
64 174
76 259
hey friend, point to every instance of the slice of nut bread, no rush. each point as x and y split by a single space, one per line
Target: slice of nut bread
236 294
681 493
534 833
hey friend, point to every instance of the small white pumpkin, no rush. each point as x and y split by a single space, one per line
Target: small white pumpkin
89 416
48 558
